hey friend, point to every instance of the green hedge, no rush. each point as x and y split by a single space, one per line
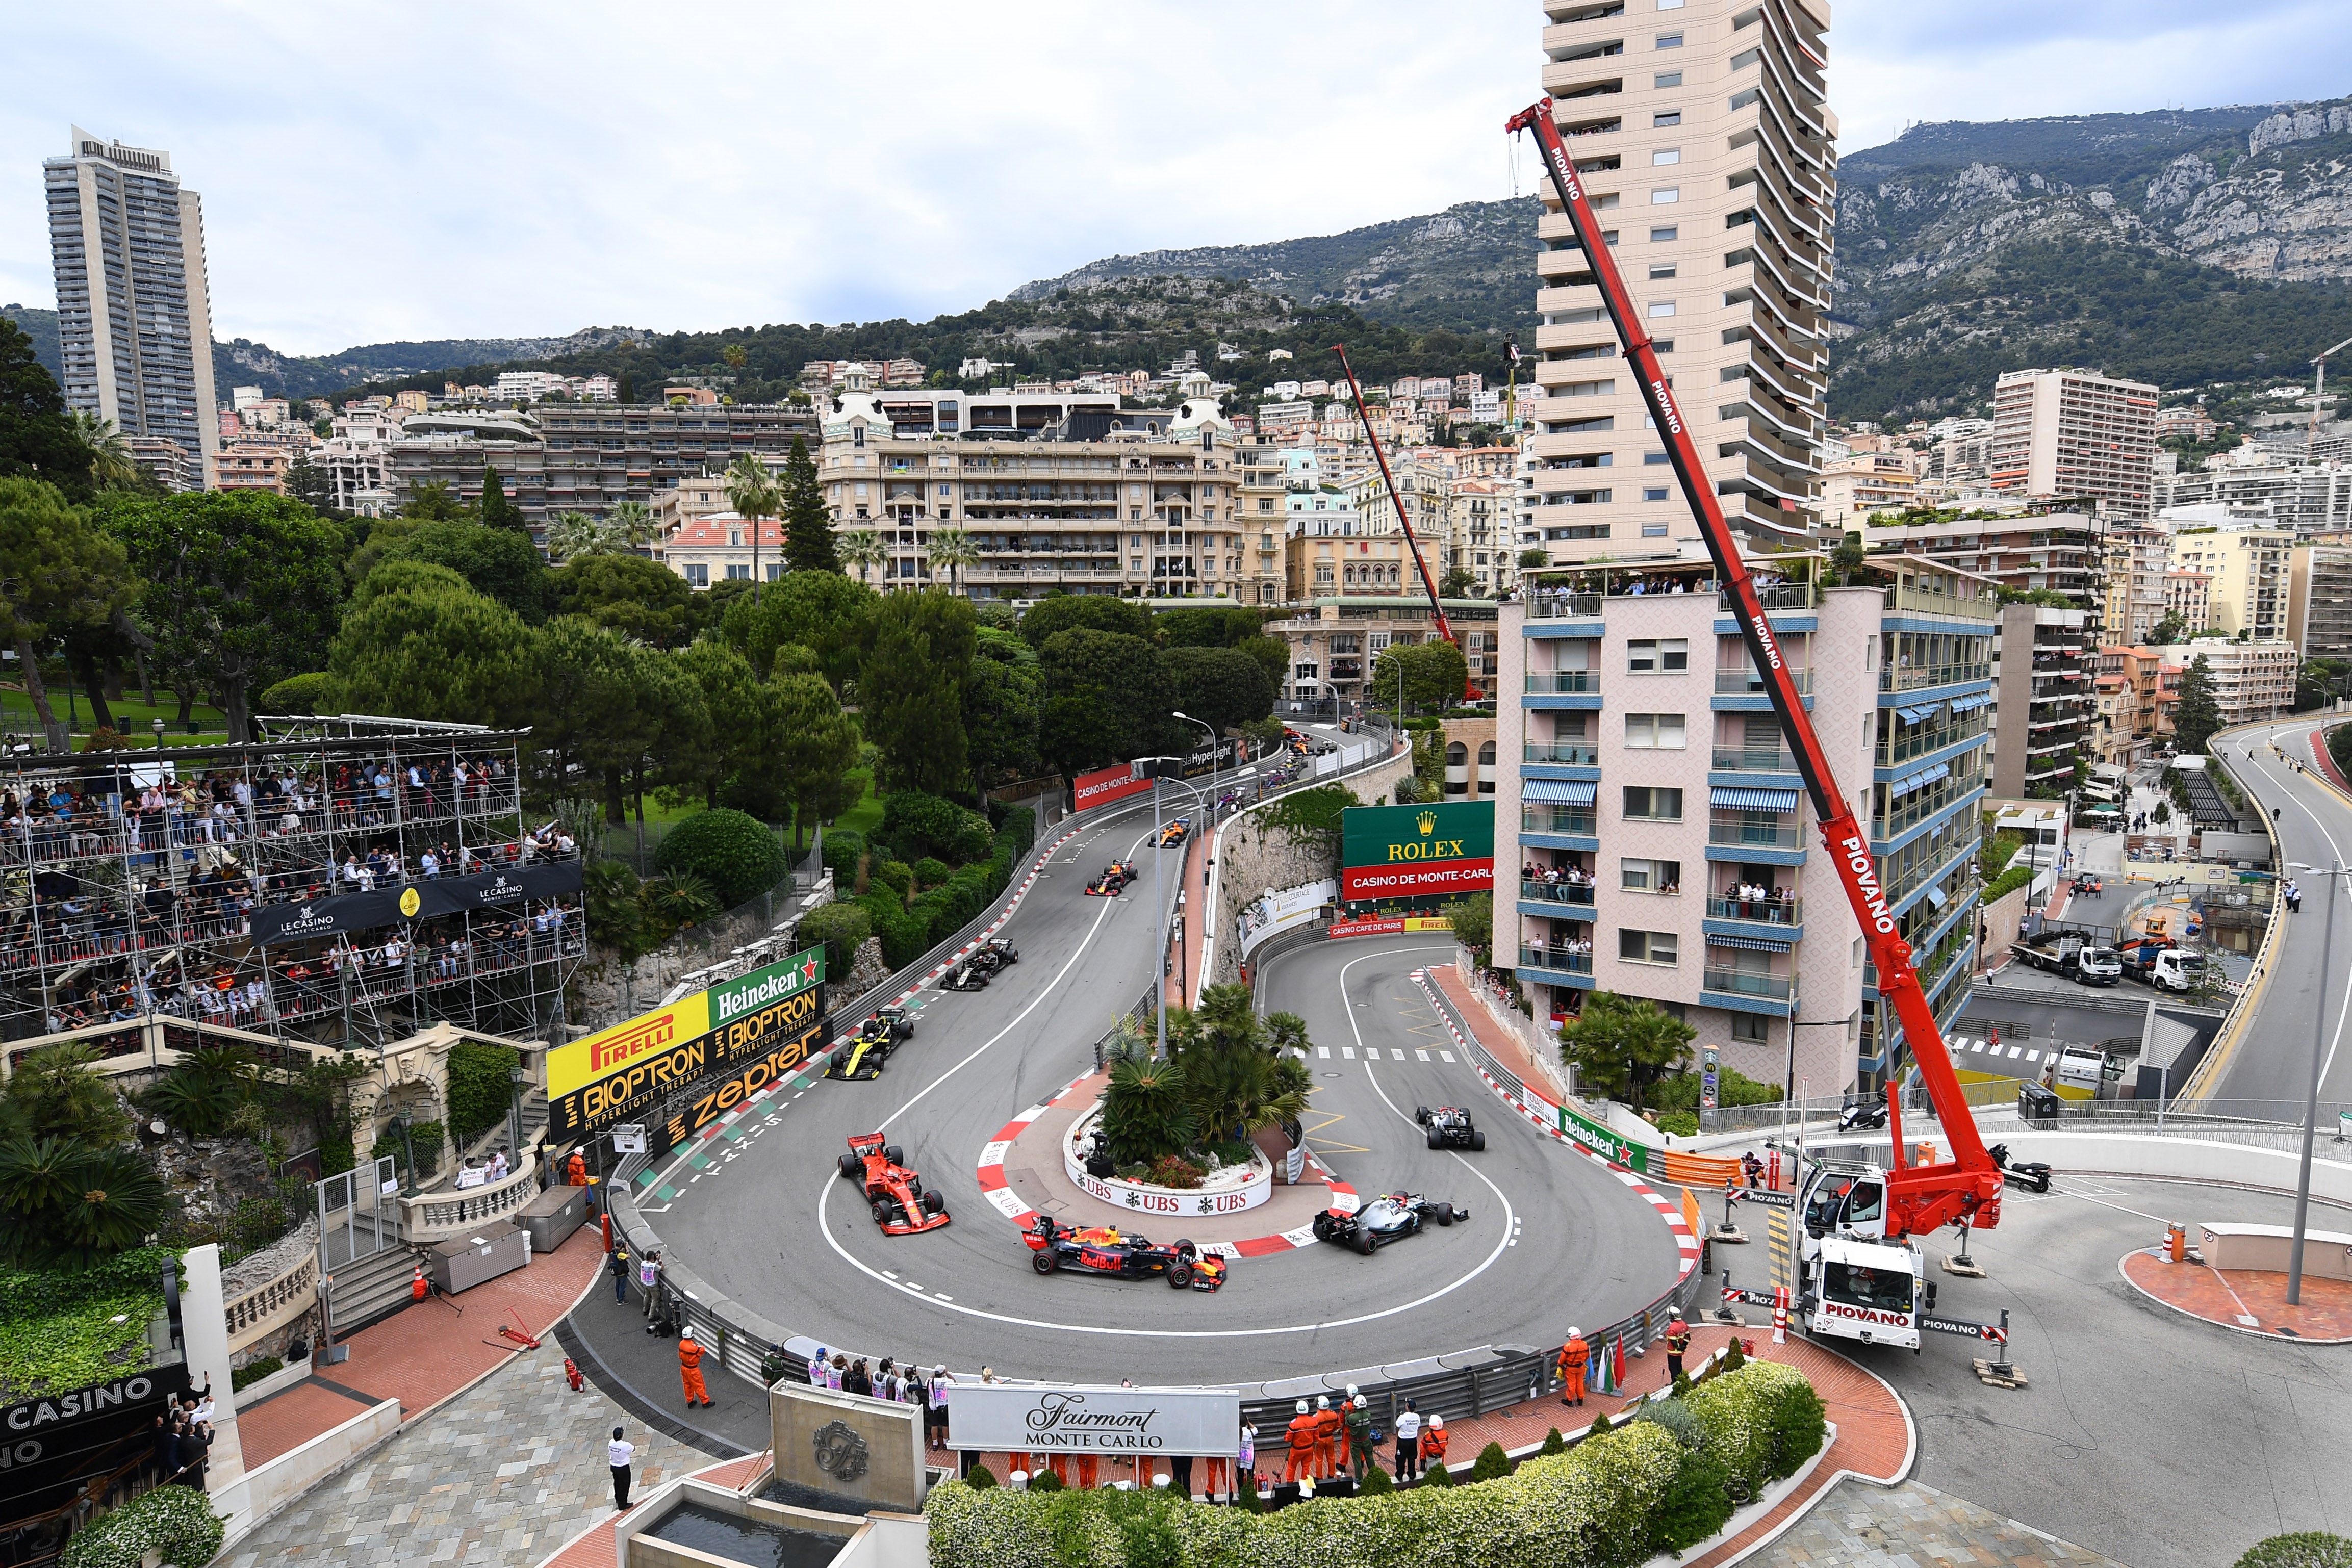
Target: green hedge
179 1520
2006 883
908 932
739 855
2304 1549
480 1088
1609 1502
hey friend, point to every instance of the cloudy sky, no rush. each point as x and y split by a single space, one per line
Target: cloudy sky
374 173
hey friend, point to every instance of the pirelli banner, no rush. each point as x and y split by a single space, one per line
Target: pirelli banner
1416 851
763 1025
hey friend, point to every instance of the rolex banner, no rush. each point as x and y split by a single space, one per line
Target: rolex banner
768 1021
1415 852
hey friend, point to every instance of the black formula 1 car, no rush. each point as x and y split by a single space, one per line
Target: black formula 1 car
1105 1249
1449 1127
1388 1217
984 961
901 1207
1112 882
869 1049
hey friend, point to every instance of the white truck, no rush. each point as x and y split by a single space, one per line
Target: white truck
2079 961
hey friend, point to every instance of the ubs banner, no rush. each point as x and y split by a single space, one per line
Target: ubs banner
759 1026
1412 852
1006 1418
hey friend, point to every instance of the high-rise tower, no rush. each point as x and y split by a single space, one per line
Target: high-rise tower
134 316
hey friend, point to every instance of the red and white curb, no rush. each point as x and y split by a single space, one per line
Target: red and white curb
995 1187
1686 1245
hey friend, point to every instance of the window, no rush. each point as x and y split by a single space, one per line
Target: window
1670 41
1662 269
698 575
1665 155
1650 876
1661 236
1653 731
1670 4
775 570
1664 194
1662 346
1648 802
1660 121
1653 530
1654 459
1645 946
1656 656
1660 307
1668 78
738 571
1654 492
1751 1028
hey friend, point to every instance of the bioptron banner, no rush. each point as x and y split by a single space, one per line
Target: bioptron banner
1412 852
765 1023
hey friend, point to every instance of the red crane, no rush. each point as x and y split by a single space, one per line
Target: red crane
1920 1199
1445 628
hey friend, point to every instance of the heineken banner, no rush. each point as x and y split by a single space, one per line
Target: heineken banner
772 1017
413 901
1414 851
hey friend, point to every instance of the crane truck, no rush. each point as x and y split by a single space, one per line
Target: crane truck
1859 1265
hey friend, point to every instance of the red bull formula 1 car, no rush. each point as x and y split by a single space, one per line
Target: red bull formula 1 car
1105 1249
901 1207
1112 882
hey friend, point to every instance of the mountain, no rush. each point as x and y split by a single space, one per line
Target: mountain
240 362
1470 268
2178 247
41 326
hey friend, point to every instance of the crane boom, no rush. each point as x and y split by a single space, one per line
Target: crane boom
1965 1190
1436 607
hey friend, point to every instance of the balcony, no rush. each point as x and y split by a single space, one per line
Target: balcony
1903 598
1763 911
1750 684
1543 606
1547 959
1778 597
1557 819
1562 683
1562 754
1741 983
1747 835
1752 759
1919 676
1556 892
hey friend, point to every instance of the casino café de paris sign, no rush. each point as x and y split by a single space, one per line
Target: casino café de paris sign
1015 1417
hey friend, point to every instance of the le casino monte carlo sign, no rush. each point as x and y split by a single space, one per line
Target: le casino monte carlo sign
1412 852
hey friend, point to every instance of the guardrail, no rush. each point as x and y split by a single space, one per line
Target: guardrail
431 1216
2242 1008
255 1314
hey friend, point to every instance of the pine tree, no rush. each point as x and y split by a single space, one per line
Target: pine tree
808 531
497 512
2199 714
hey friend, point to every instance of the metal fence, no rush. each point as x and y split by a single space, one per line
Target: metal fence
356 1219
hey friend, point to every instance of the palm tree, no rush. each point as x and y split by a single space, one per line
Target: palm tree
573 535
953 548
864 549
632 524
112 466
751 490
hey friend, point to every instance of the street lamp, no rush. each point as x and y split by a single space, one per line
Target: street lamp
159 733
1212 733
2318 1061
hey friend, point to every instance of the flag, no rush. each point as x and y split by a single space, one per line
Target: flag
1603 1381
1512 349
1617 1372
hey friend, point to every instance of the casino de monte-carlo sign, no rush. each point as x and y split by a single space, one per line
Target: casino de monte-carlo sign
1414 851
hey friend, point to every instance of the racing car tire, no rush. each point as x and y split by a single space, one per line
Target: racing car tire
1179 1274
851 1165
890 1152
881 1212
1434 1141
1421 1115
1477 1141
934 1204
1362 1242
1046 1262
1445 1214
1186 1250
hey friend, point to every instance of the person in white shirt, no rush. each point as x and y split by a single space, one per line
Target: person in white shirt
620 1453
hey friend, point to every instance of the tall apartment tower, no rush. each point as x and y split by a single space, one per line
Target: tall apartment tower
2071 435
1710 155
134 314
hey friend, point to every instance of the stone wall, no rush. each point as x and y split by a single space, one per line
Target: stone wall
1253 859
605 992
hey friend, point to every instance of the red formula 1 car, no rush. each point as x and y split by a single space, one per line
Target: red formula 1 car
901 1207
1112 882
1104 1249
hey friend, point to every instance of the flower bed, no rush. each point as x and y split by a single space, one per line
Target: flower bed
1228 1189
1656 1484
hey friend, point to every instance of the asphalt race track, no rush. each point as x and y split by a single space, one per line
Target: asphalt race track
1593 1249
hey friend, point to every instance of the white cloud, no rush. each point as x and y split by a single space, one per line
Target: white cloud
431 172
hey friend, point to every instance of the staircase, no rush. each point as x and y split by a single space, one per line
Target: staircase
372 1288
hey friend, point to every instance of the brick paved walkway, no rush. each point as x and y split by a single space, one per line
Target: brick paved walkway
1914 1526
2323 1317
424 1353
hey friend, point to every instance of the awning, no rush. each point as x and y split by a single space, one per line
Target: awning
1919 781
1737 799
1753 943
1936 896
1966 704
1559 791
1922 711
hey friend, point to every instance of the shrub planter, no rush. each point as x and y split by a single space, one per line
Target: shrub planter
1229 1190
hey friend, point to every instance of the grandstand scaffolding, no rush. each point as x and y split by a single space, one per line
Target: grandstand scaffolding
345 882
